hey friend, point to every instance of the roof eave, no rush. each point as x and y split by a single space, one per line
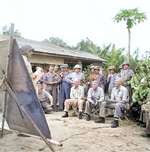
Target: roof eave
70 56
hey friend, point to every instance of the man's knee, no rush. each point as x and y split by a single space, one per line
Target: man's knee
87 103
66 101
118 105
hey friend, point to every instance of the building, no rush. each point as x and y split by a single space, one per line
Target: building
48 53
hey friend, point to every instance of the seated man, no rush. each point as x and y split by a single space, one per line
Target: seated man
44 97
119 101
95 96
76 95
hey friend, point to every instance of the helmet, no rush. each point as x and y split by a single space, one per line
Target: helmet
120 67
25 48
92 67
77 66
112 68
96 68
65 66
125 62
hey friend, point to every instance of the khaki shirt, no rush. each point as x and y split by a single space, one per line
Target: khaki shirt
77 93
28 65
120 94
95 96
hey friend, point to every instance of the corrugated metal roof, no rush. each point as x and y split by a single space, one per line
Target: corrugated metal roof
49 48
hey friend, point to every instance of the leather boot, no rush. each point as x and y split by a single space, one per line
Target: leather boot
100 120
88 117
80 115
65 115
115 124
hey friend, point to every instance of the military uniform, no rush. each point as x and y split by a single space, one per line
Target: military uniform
46 101
126 76
64 89
52 88
94 98
120 94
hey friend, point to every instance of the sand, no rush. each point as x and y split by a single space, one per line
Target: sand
80 135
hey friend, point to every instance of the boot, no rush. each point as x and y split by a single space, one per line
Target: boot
65 115
88 117
80 115
115 124
100 120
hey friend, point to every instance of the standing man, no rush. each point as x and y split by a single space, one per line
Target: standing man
52 80
64 87
111 79
119 101
77 98
126 76
99 78
75 75
95 97
27 51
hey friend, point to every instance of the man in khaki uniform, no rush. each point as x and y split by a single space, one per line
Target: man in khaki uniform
77 96
52 80
44 97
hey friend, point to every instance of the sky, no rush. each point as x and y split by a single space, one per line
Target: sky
74 20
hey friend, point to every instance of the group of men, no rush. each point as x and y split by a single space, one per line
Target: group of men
71 91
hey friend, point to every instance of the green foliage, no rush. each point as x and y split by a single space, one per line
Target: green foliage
131 16
57 41
6 31
114 57
87 72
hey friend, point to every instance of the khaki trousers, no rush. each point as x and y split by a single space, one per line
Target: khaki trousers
75 103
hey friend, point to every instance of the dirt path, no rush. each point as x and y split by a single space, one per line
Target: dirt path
80 135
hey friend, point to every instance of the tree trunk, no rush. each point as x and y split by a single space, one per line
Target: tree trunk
129 40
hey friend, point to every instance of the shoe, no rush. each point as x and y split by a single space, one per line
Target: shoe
88 117
65 115
80 115
100 120
115 124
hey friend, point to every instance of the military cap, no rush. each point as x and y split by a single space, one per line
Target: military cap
112 68
25 48
96 68
92 67
125 63
77 66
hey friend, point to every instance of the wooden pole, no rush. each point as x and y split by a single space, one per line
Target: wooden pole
50 140
129 41
9 55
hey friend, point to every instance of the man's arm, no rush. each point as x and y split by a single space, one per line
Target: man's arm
49 97
59 80
89 97
82 93
112 95
125 97
101 96
71 94
68 78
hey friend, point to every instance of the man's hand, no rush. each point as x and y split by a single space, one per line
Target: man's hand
33 75
120 102
51 82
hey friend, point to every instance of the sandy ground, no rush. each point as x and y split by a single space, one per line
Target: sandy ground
80 135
